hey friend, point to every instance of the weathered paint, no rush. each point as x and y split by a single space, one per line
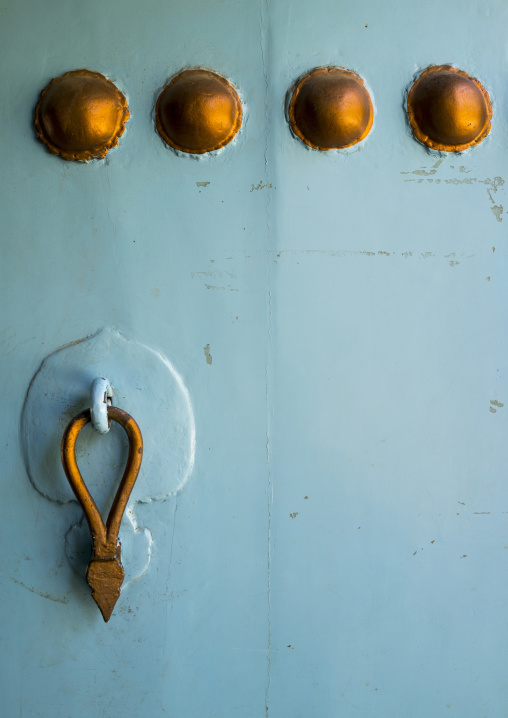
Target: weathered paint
340 546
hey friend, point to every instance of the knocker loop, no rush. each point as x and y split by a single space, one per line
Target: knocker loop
105 572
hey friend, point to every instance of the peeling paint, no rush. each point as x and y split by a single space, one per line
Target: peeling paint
492 184
344 253
260 185
497 211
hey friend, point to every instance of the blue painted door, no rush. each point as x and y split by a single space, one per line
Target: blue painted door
338 320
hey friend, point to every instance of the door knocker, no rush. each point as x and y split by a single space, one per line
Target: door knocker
105 572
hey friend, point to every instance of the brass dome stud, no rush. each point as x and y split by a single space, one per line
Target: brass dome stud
448 109
81 115
198 111
330 108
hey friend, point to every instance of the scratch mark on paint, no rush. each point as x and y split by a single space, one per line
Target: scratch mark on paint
202 184
495 402
222 289
294 515
39 593
217 275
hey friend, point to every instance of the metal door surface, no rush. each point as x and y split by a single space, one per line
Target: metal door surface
337 541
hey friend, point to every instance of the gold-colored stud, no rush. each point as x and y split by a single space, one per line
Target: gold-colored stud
330 108
448 109
198 111
80 115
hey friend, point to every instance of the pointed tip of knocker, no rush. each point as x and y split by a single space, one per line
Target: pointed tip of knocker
105 578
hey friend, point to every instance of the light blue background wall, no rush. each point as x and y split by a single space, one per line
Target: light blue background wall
341 546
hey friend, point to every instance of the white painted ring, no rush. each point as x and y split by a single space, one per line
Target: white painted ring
101 393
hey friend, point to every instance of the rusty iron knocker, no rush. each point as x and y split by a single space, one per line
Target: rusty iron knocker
105 572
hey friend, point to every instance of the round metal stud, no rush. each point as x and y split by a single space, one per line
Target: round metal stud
448 109
198 111
330 108
81 115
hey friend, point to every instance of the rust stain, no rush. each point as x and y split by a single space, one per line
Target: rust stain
294 515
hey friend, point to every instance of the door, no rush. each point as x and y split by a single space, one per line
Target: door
331 539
